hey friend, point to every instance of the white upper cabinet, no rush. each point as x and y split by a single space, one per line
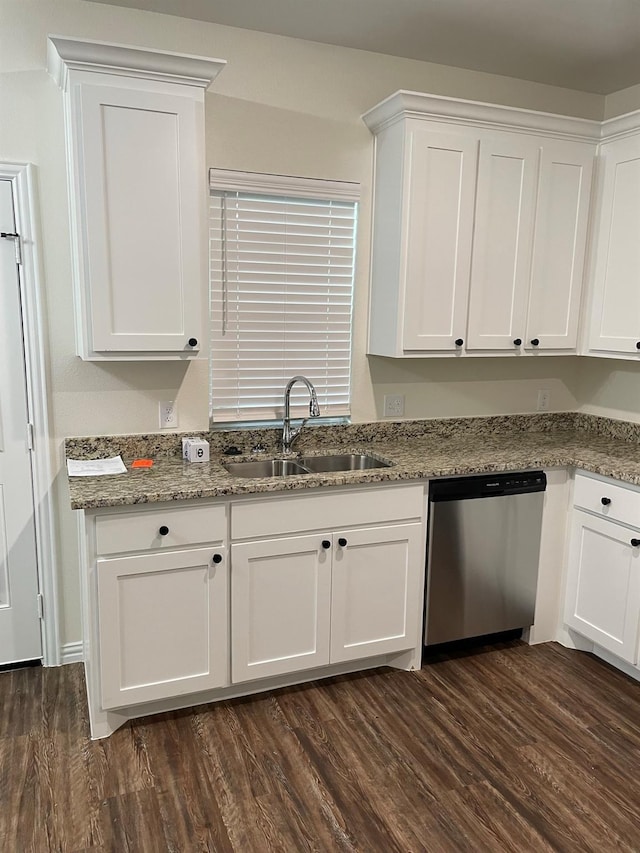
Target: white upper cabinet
559 247
438 195
480 224
615 304
137 177
505 210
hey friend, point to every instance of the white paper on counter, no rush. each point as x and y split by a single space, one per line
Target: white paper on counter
95 467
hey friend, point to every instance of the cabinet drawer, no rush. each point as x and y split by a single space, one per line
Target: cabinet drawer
277 516
140 530
620 503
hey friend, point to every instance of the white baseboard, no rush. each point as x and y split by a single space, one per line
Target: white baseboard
72 653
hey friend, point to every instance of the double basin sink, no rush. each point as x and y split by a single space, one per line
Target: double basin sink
305 465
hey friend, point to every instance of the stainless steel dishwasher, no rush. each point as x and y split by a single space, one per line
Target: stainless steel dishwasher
483 549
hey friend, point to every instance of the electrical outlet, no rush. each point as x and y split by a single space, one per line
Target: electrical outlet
544 399
168 414
393 405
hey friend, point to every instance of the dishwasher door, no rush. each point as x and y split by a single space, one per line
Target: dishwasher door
482 566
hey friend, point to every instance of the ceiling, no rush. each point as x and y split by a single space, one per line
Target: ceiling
590 45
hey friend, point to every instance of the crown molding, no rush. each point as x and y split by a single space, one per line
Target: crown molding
622 125
69 54
404 104
285 185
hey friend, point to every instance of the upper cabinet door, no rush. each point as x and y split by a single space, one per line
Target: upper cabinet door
562 215
134 121
501 260
615 307
440 191
143 203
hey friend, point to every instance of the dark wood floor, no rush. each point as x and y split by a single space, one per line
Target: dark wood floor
512 748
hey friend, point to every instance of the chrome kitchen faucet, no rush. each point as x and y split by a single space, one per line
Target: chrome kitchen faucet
289 435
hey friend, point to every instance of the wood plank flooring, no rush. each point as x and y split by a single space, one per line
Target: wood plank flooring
509 748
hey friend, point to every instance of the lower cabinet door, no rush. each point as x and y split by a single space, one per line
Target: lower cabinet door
163 624
376 591
280 594
603 585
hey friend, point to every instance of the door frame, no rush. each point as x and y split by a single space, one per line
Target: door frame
23 180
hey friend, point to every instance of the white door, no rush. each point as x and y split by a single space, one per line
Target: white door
19 621
280 599
501 260
440 191
375 593
562 214
603 584
615 310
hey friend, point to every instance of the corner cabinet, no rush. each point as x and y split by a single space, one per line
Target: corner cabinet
614 328
480 226
603 583
134 123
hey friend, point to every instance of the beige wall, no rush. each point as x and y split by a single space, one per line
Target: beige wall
284 106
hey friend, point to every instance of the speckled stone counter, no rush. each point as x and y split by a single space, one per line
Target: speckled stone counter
415 449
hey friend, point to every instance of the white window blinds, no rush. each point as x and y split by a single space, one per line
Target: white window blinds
281 292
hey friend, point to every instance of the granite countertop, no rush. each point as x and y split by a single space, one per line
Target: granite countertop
416 450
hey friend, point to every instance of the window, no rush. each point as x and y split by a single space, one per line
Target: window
281 290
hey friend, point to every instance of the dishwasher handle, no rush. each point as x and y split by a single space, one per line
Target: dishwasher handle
487 486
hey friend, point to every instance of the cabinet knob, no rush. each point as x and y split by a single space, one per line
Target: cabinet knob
193 342
217 558
163 530
326 544
535 342
637 344
459 342
605 501
635 543
517 342
342 542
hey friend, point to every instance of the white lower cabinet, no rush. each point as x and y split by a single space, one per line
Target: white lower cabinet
162 625
375 591
196 597
306 601
603 583
280 600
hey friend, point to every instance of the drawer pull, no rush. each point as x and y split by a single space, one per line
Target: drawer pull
217 558
635 543
605 501
163 530
326 544
342 542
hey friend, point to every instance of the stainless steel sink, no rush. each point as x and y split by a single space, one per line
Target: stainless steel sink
265 468
341 462
306 465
